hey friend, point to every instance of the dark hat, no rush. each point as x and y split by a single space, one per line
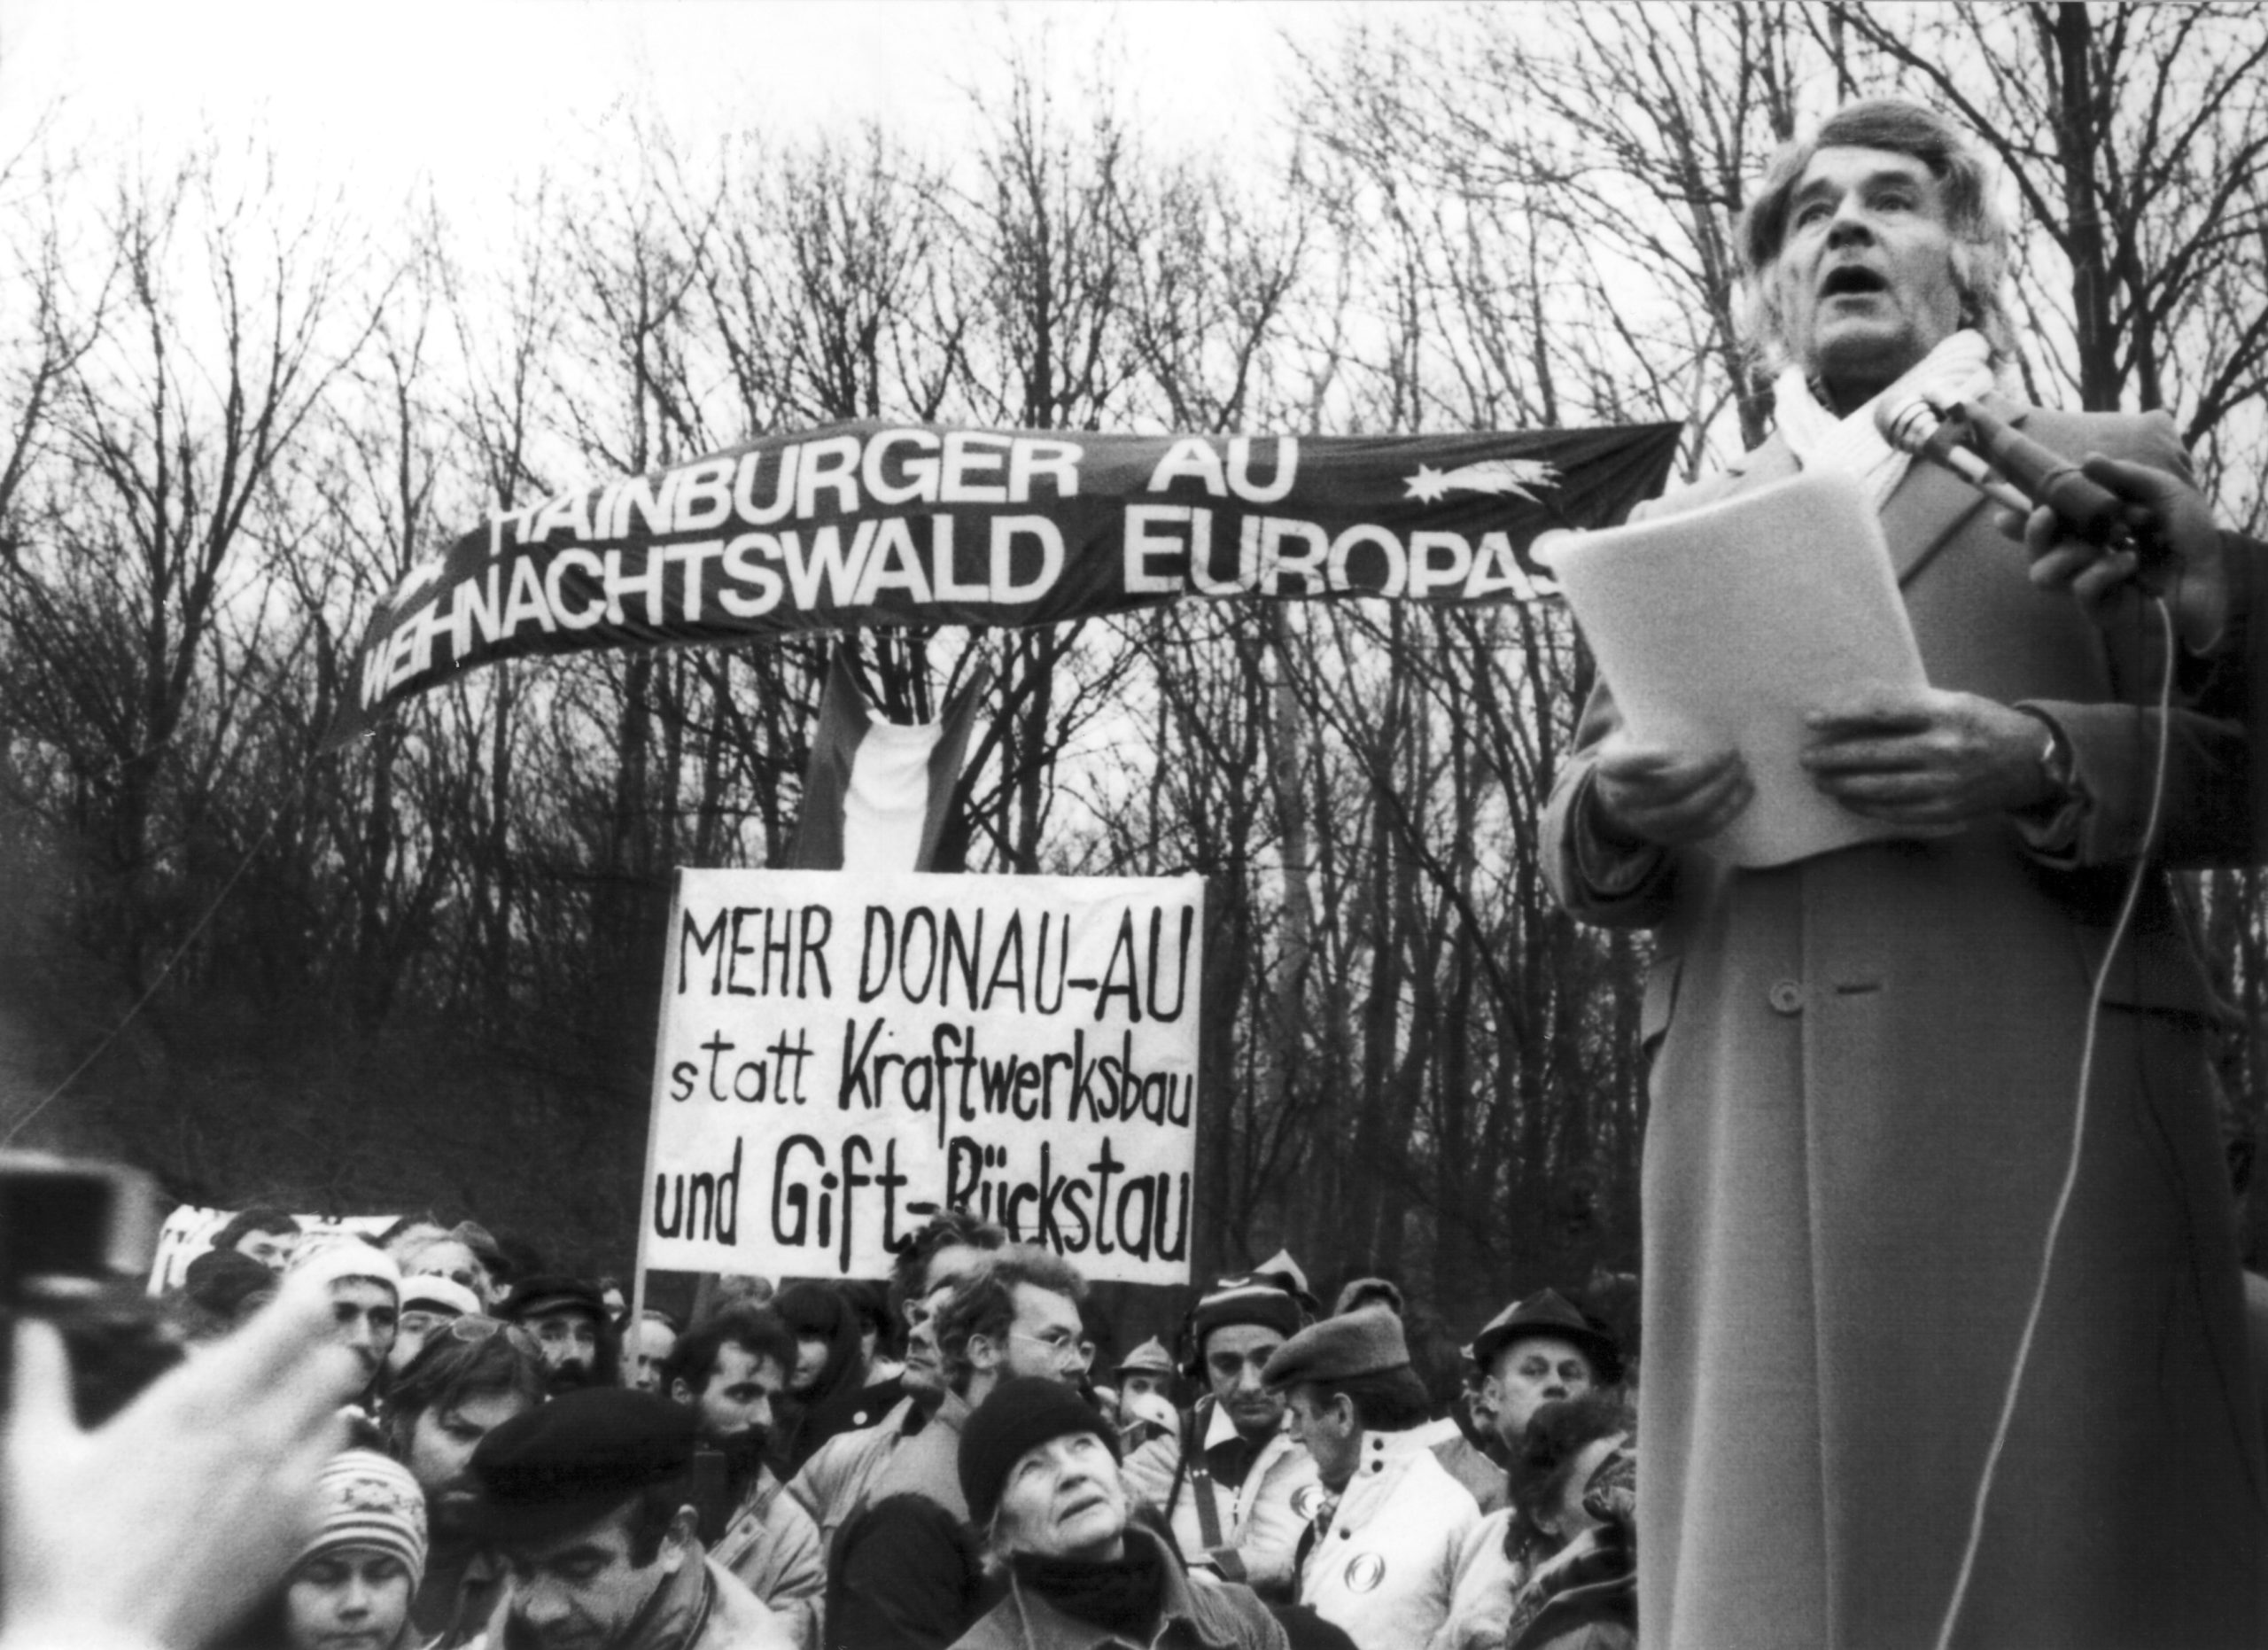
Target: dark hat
1020 1414
1546 1311
1365 1341
221 1280
549 1292
1365 1292
569 1462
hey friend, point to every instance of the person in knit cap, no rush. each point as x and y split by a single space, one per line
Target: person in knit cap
351 1586
1038 1468
588 1500
365 1287
902 1575
1236 1500
1380 1557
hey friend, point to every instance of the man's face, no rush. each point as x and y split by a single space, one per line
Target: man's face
1234 1356
271 1249
441 1442
1864 273
1134 1386
569 1336
581 1591
1044 1339
925 1373
456 1261
1064 1499
739 1391
364 1310
651 1342
1532 1372
1328 1430
410 1334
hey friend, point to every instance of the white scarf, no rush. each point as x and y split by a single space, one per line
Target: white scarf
1960 369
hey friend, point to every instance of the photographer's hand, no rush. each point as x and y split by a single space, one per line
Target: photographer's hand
161 1527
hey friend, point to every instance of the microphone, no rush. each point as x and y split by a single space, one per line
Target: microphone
1962 438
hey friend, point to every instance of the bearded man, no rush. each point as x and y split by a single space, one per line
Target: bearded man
1866 1065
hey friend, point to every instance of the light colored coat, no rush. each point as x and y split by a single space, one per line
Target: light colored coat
1260 1521
772 1547
1864 1077
1384 1568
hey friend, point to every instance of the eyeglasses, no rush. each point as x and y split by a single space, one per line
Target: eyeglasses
473 1327
1067 1347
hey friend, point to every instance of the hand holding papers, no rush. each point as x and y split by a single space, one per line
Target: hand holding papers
1723 627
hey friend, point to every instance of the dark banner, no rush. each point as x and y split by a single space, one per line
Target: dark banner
877 524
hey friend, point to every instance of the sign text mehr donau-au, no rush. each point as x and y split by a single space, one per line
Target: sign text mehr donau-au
843 1054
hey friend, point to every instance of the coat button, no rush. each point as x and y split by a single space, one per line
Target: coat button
1786 997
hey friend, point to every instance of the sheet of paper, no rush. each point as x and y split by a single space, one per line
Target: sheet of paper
1723 625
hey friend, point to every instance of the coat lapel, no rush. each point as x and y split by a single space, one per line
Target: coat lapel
1931 504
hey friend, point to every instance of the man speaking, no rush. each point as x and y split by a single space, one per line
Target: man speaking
1867 1065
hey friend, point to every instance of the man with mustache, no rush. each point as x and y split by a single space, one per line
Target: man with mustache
729 1368
589 1500
1235 1500
569 1319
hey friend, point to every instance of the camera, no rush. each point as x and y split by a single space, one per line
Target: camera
76 1236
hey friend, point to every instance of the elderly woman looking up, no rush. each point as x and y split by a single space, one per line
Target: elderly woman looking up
1040 1469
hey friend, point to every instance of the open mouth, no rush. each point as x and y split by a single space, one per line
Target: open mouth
1853 281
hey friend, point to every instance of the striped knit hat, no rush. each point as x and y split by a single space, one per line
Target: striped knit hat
365 1499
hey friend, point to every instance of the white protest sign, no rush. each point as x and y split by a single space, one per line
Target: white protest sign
189 1232
842 1054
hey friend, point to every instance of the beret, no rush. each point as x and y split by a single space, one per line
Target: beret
572 1459
1365 1341
1018 1416
1546 1311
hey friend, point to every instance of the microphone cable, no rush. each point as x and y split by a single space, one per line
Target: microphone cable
2064 1194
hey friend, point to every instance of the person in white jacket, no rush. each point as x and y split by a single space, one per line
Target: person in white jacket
1239 1501
1379 1560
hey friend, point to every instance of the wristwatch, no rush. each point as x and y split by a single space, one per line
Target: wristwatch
2058 762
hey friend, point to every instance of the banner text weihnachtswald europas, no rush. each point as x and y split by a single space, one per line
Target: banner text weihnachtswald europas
877 524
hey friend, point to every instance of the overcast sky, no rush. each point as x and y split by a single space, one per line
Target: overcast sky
478 92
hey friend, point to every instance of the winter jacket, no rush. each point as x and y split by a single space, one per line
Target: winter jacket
1259 1523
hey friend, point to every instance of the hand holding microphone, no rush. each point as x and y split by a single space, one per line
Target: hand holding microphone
2103 529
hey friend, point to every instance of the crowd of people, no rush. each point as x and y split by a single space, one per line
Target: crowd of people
1945 1328
938 1462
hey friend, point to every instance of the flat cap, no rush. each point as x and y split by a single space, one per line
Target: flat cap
569 1462
1548 1312
1365 1341
550 1291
